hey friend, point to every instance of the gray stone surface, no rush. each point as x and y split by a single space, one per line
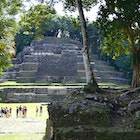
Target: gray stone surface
39 94
49 60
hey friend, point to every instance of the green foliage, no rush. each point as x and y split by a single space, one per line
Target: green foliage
36 20
10 7
137 123
0 100
22 40
119 24
93 37
49 24
115 43
114 19
124 64
8 27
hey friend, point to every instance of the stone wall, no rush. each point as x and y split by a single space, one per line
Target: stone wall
34 94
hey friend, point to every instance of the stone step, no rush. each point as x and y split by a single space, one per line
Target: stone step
25 79
106 72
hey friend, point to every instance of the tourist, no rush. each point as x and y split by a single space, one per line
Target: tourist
17 111
37 111
1 112
25 111
7 113
41 109
10 111
20 110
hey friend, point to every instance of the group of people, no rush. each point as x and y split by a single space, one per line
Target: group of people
21 111
5 112
39 110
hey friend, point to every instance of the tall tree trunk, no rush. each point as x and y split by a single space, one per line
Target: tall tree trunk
136 58
89 72
136 69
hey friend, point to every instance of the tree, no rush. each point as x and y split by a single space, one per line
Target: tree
8 28
35 20
119 24
89 73
35 25
79 4
49 24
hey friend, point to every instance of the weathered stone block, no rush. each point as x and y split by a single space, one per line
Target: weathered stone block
25 79
81 73
29 66
80 66
27 74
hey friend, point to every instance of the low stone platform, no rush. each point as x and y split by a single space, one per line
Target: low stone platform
36 94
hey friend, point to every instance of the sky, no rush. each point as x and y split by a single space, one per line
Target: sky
91 15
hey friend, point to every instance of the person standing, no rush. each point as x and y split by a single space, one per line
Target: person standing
20 110
41 109
10 111
37 111
17 111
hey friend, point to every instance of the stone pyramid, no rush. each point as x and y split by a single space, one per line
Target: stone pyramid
49 60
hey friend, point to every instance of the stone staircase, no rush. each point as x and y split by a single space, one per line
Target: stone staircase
51 60
103 72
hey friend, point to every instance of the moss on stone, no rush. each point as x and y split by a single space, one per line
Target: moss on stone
136 122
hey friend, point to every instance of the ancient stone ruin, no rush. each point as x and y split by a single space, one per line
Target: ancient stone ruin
106 115
48 60
58 60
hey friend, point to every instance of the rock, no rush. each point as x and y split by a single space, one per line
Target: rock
122 111
134 105
137 114
92 97
72 108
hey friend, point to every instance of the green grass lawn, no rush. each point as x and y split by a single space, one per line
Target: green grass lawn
31 109
31 115
21 136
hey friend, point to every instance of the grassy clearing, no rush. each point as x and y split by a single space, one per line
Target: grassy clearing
9 83
112 85
21 137
31 109
30 128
